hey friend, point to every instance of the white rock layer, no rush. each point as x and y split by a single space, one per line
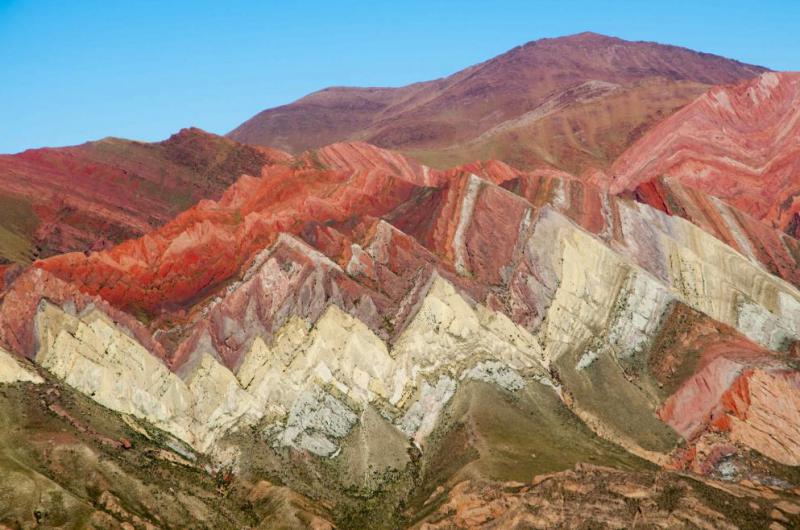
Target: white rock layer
12 371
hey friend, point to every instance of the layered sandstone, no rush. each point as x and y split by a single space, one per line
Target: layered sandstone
738 143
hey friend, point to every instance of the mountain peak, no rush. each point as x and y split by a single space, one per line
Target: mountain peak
584 36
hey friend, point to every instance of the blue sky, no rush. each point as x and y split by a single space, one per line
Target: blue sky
73 71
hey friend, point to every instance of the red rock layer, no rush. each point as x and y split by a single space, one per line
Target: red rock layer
359 156
332 205
211 243
371 270
20 304
379 268
733 402
4 280
778 252
740 143
460 225
724 390
97 194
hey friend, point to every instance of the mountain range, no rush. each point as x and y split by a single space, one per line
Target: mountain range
559 288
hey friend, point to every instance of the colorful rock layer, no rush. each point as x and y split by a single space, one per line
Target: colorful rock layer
353 277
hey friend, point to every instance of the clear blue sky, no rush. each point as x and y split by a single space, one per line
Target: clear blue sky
73 70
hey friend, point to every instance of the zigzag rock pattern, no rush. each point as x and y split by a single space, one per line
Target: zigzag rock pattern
739 143
360 280
351 309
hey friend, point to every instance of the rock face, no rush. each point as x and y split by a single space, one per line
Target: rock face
739 143
571 102
11 371
97 194
775 250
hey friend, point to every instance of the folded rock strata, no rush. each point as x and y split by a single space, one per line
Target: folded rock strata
100 193
738 143
379 282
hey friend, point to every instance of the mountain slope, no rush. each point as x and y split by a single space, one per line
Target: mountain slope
596 94
378 339
100 193
740 143
353 337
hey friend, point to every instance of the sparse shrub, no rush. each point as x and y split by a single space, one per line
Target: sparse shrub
669 498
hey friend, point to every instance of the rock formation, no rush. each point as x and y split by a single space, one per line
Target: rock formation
739 143
354 279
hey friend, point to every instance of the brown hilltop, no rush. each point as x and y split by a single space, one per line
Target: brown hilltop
570 102
88 196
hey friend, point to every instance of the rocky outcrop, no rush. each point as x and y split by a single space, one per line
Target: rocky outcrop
601 495
756 405
764 415
12 372
91 354
289 382
775 250
738 143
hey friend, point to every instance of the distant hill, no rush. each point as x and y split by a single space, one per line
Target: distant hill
571 102
83 197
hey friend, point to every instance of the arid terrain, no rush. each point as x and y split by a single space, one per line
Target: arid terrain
558 289
571 103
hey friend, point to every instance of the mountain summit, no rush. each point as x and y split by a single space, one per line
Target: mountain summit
570 102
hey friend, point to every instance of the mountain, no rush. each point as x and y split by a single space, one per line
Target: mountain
571 103
740 143
212 334
354 338
96 194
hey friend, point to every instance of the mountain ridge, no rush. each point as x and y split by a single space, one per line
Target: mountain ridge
99 193
737 142
414 118
356 291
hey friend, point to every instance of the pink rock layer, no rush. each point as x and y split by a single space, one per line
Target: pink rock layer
331 201
740 143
